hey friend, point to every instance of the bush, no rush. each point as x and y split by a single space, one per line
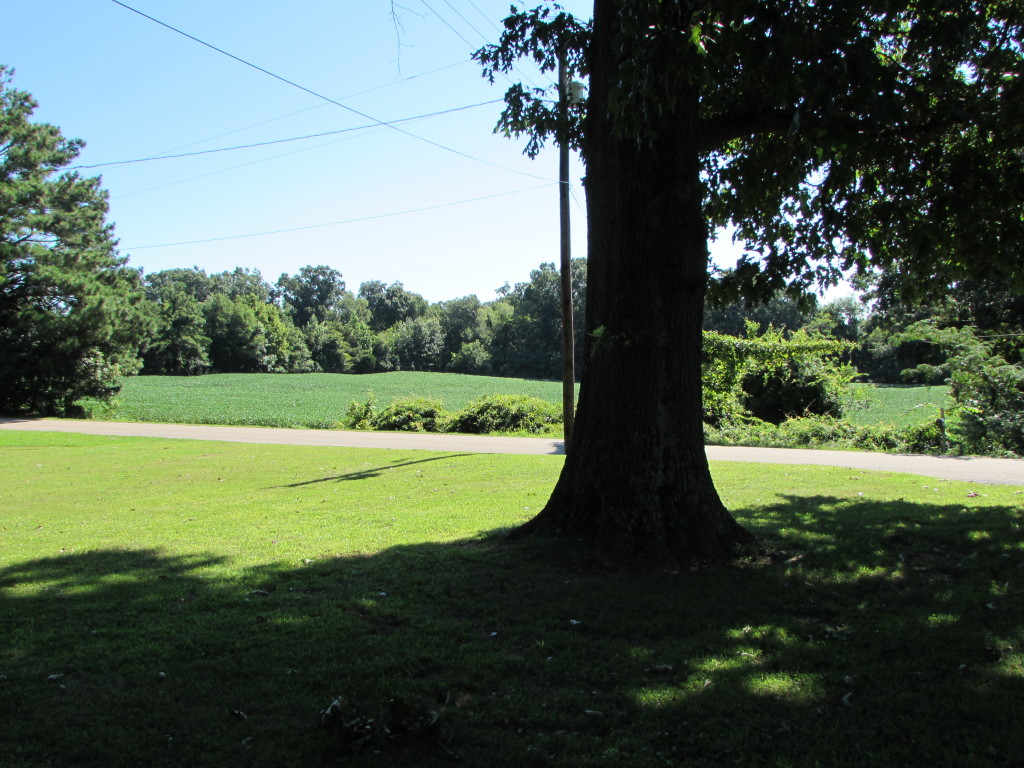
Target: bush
506 413
416 414
827 432
360 415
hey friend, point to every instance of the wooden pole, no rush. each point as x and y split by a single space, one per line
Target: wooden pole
568 363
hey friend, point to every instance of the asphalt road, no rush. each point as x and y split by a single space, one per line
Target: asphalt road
970 469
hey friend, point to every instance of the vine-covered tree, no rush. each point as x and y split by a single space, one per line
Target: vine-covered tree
859 135
70 318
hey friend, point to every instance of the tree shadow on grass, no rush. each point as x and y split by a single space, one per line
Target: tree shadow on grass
368 474
879 633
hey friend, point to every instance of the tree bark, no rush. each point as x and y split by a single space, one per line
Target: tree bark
636 486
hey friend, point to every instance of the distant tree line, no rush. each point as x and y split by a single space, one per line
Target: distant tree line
238 322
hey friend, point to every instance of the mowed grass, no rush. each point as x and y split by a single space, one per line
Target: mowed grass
897 404
314 400
173 603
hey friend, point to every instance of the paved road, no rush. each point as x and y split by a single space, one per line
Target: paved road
971 469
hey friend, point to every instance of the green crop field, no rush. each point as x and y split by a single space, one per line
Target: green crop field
895 404
175 603
314 400
320 400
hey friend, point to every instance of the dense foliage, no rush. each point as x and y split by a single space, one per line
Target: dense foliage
237 322
487 414
70 316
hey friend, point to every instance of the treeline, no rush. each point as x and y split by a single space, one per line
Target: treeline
238 322
763 364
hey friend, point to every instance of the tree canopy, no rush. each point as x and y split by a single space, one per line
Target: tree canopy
70 318
832 136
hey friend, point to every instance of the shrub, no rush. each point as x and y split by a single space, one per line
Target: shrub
825 431
360 415
506 413
416 414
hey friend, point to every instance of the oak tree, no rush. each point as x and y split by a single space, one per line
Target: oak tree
861 136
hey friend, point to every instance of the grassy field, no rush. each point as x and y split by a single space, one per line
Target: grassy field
315 400
320 400
173 603
897 404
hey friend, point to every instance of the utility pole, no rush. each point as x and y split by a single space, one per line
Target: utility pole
568 362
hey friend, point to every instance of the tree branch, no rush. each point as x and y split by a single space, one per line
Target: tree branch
713 133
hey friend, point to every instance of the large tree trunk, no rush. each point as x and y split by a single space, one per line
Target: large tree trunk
636 485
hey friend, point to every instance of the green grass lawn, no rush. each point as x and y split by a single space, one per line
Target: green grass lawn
316 400
168 603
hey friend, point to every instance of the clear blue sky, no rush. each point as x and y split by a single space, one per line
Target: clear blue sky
132 88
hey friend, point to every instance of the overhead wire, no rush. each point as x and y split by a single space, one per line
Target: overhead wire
372 130
344 221
381 124
320 106
464 19
487 18
446 23
279 141
572 192
481 34
325 98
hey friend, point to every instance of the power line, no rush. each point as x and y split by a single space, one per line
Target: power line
447 24
464 19
373 129
320 106
345 221
481 34
487 18
278 141
321 96
572 191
